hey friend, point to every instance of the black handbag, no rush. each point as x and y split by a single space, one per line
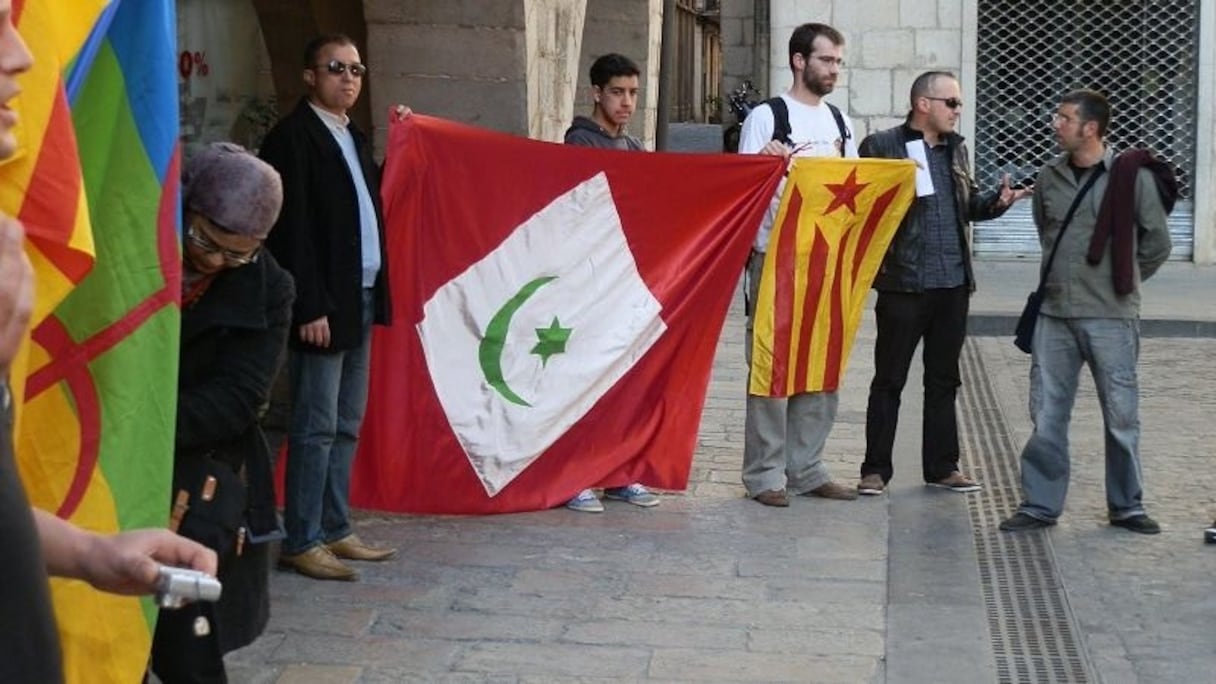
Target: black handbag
1023 334
213 505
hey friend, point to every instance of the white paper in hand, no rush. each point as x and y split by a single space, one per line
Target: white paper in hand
924 179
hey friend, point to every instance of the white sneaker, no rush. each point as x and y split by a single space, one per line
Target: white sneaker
585 502
635 494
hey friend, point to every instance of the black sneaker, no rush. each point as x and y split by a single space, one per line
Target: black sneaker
1209 535
1020 522
1138 523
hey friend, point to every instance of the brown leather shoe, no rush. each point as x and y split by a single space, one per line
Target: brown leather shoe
871 485
773 497
833 490
351 547
319 563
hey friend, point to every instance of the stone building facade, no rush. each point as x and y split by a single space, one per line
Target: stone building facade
1156 60
519 66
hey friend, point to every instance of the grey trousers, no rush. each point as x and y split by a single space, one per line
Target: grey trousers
783 439
1110 347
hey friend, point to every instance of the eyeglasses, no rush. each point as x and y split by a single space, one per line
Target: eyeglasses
951 102
337 68
198 237
828 60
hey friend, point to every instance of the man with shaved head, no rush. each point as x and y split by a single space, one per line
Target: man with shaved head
925 284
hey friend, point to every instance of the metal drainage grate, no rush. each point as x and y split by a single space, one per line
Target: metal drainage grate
1031 625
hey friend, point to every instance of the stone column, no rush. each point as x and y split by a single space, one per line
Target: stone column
554 39
464 60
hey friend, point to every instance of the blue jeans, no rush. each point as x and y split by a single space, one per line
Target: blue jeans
329 396
1111 348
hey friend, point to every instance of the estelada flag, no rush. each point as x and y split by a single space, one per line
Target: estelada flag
835 221
556 313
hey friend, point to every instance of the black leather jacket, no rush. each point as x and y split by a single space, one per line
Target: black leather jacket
902 268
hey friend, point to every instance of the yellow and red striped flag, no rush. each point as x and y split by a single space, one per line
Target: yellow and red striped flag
836 218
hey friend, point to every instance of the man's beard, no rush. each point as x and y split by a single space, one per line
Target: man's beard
816 86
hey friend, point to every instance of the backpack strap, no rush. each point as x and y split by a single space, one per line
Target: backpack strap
781 119
844 130
781 122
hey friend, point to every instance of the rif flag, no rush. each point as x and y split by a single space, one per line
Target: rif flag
96 185
835 221
556 313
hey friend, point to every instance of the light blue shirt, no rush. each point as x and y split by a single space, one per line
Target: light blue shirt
368 233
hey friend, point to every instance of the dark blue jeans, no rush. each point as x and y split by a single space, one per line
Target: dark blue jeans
328 399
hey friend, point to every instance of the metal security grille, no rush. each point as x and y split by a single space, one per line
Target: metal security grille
1031 626
1142 54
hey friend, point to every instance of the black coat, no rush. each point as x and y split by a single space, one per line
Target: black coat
317 235
903 266
232 344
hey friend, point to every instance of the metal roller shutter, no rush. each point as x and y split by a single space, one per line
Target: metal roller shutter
1142 54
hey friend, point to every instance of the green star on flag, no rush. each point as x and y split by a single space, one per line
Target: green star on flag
552 341
488 333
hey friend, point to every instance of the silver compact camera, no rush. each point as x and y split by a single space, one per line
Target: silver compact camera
177 586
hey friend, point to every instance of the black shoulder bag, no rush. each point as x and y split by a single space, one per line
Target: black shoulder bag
1024 332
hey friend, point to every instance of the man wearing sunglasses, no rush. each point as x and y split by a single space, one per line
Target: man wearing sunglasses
925 284
330 236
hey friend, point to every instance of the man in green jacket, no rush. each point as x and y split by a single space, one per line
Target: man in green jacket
1085 319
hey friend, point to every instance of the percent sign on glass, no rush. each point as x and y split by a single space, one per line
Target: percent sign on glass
191 63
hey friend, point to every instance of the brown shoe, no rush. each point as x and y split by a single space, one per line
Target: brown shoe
773 497
833 490
871 485
957 482
319 563
351 547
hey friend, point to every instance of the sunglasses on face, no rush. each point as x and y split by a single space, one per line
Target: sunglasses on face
951 102
198 237
337 68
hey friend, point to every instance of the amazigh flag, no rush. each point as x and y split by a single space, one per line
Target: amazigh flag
836 218
41 183
556 313
96 438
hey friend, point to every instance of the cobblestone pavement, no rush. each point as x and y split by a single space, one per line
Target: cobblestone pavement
1145 606
709 586
713 587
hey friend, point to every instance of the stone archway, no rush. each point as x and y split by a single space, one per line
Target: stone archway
288 25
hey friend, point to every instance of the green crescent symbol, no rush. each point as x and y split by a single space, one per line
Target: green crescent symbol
489 352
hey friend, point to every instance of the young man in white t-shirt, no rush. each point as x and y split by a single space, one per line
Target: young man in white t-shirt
784 438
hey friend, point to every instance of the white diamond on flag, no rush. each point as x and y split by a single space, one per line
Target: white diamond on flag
524 343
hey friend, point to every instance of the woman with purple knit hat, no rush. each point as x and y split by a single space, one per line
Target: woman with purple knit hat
236 311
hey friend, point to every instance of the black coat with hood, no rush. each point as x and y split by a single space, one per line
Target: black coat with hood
586 132
233 340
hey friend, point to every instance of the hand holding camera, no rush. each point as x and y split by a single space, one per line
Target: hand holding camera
177 586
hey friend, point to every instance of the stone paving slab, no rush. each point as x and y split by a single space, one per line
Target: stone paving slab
712 587
1144 604
709 586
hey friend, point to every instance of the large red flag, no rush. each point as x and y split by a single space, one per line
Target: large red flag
556 312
